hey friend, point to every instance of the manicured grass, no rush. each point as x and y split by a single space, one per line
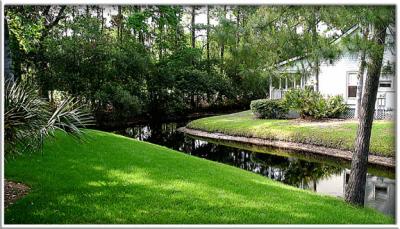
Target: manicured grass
337 134
114 179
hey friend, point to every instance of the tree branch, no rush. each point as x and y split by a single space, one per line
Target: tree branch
57 19
48 27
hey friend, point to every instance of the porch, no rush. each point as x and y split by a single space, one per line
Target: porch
280 85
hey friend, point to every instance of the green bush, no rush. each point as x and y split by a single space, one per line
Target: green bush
335 106
311 104
116 102
266 108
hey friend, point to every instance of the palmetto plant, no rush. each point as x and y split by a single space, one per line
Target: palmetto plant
29 119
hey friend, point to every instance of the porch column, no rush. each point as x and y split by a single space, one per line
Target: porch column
286 83
301 82
270 86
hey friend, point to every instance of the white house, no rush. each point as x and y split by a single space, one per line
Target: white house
337 78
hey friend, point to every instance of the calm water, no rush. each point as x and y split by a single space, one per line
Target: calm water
319 174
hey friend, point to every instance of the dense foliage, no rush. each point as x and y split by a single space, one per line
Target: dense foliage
335 106
311 104
129 61
267 108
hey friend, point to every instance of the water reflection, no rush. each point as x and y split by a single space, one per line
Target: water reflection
317 174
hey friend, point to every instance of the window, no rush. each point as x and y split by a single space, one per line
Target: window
381 193
385 84
347 177
351 85
351 91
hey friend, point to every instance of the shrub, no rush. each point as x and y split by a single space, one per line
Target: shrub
335 106
311 104
305 101
266 108
116 102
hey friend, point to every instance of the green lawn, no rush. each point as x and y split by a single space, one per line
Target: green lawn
114 179
339 134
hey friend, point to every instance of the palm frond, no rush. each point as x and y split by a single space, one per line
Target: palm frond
68 117
28 119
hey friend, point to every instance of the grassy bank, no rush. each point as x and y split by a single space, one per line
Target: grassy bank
114 179
334 134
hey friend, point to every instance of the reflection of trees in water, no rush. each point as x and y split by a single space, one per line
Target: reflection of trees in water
300 173
159 133
291 171
287 170
294 171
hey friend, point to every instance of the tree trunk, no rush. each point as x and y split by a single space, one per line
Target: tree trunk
355 190
40 58
87 11
360 77
317 75
208 35
223 45
192 25
192 101
98 12
120 23
8 73
237 27
99 15
315 43
141 36
102 20
161 33
222 55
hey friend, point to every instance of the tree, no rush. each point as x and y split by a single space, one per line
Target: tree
137 21
120 23
354 17
380 20
193 27
223 42
32 25
360 75
319 43
208 33
8 74
314 42
72 50
238 14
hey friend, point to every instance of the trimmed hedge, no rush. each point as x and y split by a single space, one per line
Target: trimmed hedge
267 108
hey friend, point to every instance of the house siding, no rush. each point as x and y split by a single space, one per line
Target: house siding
333 78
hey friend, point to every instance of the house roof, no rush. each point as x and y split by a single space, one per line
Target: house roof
337 40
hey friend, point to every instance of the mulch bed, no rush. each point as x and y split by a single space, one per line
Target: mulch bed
13 191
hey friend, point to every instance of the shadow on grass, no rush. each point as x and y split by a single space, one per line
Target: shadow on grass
112 179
